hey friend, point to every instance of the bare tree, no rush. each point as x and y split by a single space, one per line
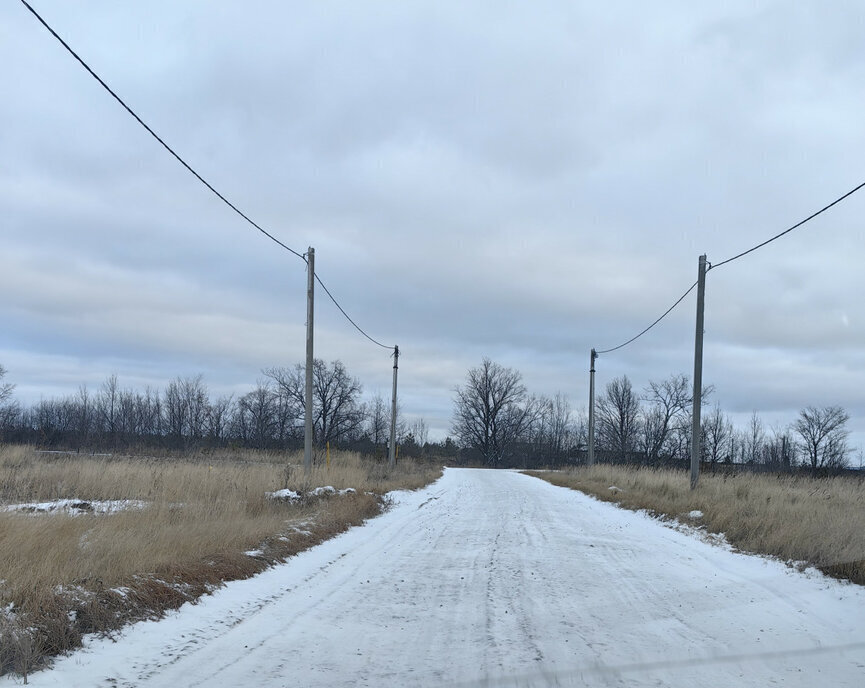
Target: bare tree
618 417
107 407
6 388
337 412
560 424
717 433
753 440
779 449
824 436
491 410
668 400
259 410
218 415
420 431
378 421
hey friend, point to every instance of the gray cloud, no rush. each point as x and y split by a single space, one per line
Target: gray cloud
518 181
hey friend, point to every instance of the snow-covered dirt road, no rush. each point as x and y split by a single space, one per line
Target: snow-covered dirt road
493 578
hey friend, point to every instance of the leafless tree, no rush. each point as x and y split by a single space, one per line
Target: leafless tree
779 449
337 412
6 388
668 400
107 407
618 417
823 432
717 432
491 410
218 415
257 410
378 420
420 432
560 424
753 440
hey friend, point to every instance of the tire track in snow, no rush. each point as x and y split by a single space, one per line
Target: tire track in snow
492 578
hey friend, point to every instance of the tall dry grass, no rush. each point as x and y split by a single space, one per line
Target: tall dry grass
817 521
65 575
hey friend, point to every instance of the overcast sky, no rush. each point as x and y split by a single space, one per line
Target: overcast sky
522 181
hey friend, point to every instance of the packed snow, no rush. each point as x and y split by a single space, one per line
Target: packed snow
494 578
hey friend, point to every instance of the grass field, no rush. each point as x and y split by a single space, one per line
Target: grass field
803 520
179 526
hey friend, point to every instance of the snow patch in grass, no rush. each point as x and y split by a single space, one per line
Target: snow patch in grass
285 495
696 513
76 507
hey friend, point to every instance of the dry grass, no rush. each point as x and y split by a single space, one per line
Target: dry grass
817 521
64 575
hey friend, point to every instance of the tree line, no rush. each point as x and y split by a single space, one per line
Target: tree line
498 423
186 415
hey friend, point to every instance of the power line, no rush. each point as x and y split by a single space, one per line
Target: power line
190 169
790 229
736 257
664 315
341 310
155 135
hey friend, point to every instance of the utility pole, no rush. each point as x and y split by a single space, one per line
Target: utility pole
590 460
310 294
391 455
698 375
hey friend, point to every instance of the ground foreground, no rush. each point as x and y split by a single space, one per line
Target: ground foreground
493 578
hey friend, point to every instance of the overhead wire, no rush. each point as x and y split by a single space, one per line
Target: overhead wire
155 135
341 310
663 315
736 257
191 169
789 229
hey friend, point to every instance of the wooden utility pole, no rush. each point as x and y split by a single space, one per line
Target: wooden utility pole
391 455
590 460
310 294
698 375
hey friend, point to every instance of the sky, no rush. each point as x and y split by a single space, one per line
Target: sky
518 181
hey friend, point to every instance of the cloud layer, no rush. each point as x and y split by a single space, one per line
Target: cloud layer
517 181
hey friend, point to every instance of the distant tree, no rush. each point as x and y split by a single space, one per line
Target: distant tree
823 433
492 410
6 388
717 433
258 411
618 417
337 411
218 416
668 400
107 407
560 425
753 440
779 449
420 432
378 421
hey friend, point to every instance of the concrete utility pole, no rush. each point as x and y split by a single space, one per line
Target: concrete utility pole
698 375
590 460
391 455
310 294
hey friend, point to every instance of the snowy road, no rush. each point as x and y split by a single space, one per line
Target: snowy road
499 579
